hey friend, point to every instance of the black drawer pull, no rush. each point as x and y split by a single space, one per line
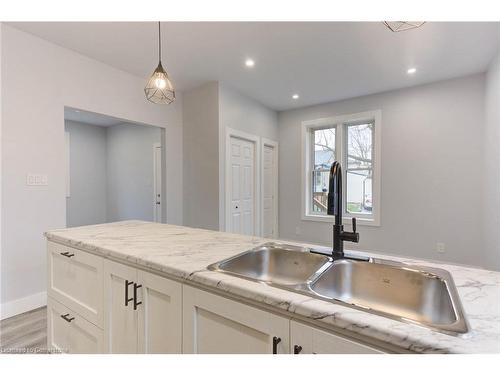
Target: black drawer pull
297 349
276 341
127 284
136 286
67 254
65 317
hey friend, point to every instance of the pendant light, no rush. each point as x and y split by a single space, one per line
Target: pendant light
398 26
159 89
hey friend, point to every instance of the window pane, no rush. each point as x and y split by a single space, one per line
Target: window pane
359 192
359 168
324 156
359 146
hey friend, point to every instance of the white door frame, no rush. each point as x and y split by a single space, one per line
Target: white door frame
233 133
269 142
157 217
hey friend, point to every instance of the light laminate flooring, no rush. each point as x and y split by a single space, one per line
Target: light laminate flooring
24 333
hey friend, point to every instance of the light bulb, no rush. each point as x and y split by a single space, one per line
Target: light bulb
160 83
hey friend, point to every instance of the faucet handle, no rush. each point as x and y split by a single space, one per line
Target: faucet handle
354 225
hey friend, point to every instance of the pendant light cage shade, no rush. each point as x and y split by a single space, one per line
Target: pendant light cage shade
159 89
398 26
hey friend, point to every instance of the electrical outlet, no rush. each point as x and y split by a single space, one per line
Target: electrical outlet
37 180
297 231
440 248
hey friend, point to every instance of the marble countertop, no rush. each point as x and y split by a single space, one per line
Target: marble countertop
185 253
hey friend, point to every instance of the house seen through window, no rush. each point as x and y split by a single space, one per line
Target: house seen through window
352 144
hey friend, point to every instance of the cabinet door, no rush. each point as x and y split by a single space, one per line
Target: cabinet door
305 339
160 314
75 278
69 332
121 320
213 324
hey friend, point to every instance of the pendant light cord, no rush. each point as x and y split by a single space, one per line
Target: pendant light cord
159 42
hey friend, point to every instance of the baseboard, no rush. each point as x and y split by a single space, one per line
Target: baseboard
22 305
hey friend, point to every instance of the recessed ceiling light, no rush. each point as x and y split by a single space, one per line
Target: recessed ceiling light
411 71
250 63
295 96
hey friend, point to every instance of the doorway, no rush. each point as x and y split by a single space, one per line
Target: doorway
269 189
114 169
157 179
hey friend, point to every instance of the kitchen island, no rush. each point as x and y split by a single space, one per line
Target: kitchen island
198 299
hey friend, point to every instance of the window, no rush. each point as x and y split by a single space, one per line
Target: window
353 141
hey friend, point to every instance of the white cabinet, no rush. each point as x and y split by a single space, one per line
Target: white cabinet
160 315
213 324
75 280
97 305
305 339
143 311
69 332
121 320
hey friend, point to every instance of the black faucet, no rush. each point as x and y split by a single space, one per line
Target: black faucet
335 208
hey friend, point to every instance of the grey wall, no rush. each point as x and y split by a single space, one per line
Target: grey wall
432 138
242 113
491 194
201 157
207 111
61 78
111 173
87 201
130 189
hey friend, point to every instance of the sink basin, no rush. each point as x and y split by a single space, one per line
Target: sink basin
425 296
275 264
421 295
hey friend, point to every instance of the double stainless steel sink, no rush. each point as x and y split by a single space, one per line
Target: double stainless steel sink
421 295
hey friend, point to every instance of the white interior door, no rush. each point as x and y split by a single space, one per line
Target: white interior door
268 192
242 186
157 183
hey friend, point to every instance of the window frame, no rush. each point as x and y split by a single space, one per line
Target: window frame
341 123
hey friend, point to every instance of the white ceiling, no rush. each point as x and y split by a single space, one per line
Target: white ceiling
321 62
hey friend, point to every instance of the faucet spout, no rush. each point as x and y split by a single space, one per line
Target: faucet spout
335 208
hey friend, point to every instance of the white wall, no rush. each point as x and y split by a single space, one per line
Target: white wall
491 194
432 138
130 188
201 158
1 173
87 203
42 78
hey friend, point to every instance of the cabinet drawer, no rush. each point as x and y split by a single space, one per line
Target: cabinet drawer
75 278
68 332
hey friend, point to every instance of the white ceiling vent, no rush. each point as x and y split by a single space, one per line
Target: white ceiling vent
397 26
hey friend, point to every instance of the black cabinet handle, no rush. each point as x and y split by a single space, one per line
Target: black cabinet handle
127 284
276 341
136 286
67 254
297 349
65 317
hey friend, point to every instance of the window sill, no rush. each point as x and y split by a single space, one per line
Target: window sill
372 222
